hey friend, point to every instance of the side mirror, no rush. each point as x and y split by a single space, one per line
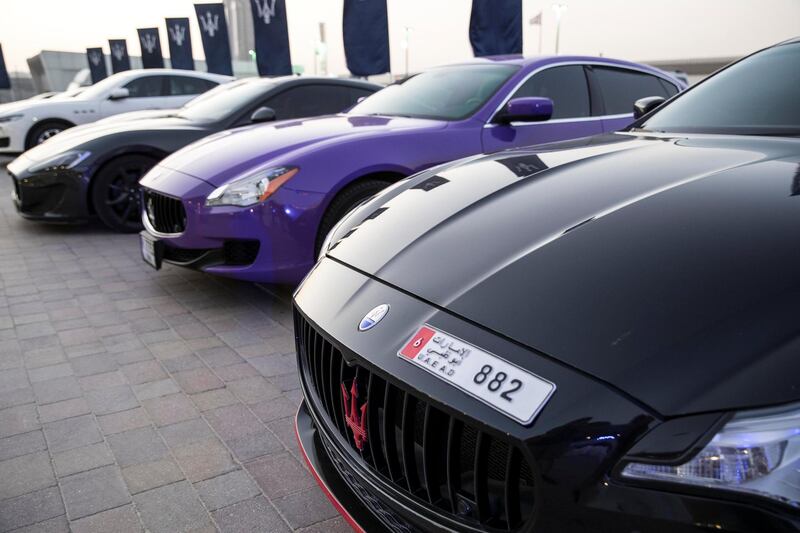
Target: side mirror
643 106
527 109
361 99
120 93
262 114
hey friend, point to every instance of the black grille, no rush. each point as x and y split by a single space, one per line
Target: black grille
183 255
166 214
5 142
433 457
240 253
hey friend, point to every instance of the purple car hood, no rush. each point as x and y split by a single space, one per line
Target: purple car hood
219 158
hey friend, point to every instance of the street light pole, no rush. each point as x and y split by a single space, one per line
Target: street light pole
559 10
406 46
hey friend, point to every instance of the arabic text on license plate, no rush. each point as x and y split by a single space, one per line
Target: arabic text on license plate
504 386
149 252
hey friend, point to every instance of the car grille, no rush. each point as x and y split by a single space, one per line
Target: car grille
240 252
166 214
434 458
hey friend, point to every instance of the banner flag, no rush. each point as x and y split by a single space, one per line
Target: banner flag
366 37
180 43
5 81
272 37
120 60
151 48
214 31
97 64
495 27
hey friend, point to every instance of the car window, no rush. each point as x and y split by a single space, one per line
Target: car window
186 85
443 93
621 88
566 86
756 96
146 87
310 101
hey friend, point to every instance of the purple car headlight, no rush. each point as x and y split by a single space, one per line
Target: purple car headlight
252 188
756 453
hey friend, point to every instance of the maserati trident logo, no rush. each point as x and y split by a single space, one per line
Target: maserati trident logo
177 33
95 57
149 42
118 51
210 23
372 318
355 417
266 10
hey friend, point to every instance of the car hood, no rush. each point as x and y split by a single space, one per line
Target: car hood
139 115
219 158
667 267
81 137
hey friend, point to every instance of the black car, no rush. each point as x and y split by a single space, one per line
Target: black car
601 335
95 169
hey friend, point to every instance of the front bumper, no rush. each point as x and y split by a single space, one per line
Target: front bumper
12 137
574 444
53 196
271 242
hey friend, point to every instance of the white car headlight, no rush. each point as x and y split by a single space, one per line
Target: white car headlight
11 118
252 188
63 161
755 452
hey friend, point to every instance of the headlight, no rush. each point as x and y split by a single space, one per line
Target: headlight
252 188
756 452
64 161
11 118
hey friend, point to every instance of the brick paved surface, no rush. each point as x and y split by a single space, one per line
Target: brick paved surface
135 400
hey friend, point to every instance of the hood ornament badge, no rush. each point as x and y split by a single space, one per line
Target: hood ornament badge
372 318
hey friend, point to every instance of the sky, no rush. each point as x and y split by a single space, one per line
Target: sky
639 30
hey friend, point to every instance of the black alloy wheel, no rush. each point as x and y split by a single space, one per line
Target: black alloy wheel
115 192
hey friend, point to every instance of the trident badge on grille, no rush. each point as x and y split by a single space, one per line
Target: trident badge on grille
356 418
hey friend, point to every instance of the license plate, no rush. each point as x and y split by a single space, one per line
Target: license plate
504 386
150 250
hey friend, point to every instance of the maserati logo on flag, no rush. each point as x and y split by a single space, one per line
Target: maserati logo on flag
210 23
355 417
177 33
118 51
95 57
266 10
149 42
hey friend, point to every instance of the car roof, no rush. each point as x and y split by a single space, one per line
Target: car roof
302 80
528 62
170 71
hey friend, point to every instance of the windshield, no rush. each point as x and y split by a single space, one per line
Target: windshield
99 89
448 93
221 101
760 95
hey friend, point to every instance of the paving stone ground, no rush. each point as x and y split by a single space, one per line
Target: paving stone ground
135 400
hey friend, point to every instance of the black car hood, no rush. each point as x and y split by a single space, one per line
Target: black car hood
141 130
668 267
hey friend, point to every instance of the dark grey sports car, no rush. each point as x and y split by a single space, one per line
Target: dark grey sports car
95 169
596 336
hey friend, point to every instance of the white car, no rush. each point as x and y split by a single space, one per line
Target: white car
28 123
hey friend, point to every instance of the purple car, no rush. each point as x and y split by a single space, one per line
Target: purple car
256 203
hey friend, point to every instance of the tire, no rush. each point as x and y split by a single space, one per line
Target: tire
43 131
347 199
115 192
